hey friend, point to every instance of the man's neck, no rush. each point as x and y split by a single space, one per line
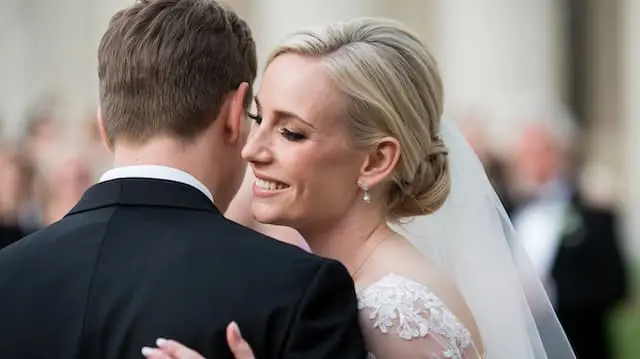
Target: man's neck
168 153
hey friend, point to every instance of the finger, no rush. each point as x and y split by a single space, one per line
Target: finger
239 347
177 350
153 353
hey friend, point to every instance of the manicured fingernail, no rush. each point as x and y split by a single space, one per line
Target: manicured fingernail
146 351
161 341
236 329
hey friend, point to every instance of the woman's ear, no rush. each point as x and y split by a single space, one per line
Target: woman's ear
380 162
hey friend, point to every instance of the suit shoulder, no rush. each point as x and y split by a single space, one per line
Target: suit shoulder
26 253
56 237
31 241
290 255
260 240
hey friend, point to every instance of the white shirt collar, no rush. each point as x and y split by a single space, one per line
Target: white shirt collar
156 172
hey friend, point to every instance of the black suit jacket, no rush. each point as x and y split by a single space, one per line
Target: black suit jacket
139 259
589 270
9 234
590 278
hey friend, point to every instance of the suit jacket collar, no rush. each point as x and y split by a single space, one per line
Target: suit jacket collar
157 172
145 192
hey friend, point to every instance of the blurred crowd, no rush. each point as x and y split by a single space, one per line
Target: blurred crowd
45 170
568 232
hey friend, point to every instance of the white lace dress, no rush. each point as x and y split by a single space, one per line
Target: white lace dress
401 318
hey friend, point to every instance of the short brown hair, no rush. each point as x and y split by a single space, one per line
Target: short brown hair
166 67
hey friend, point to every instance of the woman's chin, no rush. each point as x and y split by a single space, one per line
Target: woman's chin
267 214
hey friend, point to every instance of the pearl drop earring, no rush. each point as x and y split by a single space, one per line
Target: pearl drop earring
365 187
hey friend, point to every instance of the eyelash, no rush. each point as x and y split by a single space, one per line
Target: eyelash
286 133
292 136
255 118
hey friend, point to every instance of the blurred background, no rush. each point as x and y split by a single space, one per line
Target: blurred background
546 91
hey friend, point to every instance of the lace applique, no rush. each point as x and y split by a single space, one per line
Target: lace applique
414 311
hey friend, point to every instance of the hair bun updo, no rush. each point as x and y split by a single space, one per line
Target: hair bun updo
427 189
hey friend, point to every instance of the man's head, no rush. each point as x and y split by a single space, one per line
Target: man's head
180 71
545 147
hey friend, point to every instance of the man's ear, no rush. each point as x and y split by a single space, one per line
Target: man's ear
236 118
103 131
380 162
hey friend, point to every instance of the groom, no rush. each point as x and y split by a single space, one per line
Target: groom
147 253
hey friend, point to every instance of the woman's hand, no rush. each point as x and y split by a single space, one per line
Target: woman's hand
170 349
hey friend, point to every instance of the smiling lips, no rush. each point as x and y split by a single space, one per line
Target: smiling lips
263 187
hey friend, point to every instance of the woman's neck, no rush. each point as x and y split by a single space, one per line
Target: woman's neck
349 240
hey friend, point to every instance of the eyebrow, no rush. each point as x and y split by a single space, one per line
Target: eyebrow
282 113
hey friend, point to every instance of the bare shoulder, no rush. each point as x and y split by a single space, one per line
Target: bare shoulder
401 258
400 263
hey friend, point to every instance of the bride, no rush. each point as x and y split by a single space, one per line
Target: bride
349 149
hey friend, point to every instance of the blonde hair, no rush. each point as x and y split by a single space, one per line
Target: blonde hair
393 88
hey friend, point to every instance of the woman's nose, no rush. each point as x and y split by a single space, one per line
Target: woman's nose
256 149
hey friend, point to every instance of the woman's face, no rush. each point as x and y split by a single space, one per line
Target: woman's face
300 148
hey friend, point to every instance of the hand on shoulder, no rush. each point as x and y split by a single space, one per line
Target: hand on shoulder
171 349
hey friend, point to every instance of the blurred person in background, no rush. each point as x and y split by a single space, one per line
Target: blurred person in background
574 245
37 145
41 132
14 175
63 184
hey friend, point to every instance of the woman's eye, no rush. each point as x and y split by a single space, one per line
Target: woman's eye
292 136
257 118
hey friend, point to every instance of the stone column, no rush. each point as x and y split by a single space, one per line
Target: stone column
498 55
630 81
13 70
63 56
273 20
51 49
60 56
